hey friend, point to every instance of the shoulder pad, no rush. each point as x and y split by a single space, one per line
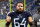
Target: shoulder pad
10 12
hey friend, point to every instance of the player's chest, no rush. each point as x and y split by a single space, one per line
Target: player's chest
19 16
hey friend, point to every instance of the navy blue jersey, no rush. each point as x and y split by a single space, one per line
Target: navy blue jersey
19 19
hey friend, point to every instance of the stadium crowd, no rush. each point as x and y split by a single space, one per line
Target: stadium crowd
5 8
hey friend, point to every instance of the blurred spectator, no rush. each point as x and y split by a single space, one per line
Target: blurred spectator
7 7
36 18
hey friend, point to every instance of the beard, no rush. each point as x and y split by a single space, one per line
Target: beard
19 10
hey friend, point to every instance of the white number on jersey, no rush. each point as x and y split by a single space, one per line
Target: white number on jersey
17 24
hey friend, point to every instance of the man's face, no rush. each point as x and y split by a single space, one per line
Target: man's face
19 7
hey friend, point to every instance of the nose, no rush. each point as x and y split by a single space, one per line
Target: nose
20 7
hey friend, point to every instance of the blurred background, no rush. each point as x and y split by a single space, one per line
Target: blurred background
4 8
29 5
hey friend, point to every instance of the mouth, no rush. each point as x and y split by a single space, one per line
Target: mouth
19 9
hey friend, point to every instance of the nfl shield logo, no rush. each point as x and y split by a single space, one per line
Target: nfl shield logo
19 16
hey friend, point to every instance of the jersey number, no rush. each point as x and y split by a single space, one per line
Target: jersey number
17 24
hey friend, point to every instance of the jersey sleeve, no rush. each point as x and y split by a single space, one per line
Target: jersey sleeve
9 14
28 14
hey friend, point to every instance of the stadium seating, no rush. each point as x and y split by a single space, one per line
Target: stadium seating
28 6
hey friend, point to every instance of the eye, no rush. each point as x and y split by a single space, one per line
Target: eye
21 6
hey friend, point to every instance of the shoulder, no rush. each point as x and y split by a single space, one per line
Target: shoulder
26 12
10 12
35 15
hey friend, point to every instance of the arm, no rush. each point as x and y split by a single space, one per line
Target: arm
35 23
8 21
30 21
29 18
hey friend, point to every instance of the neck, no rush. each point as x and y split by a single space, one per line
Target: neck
19 12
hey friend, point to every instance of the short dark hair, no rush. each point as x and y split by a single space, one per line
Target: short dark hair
38 9
19 2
